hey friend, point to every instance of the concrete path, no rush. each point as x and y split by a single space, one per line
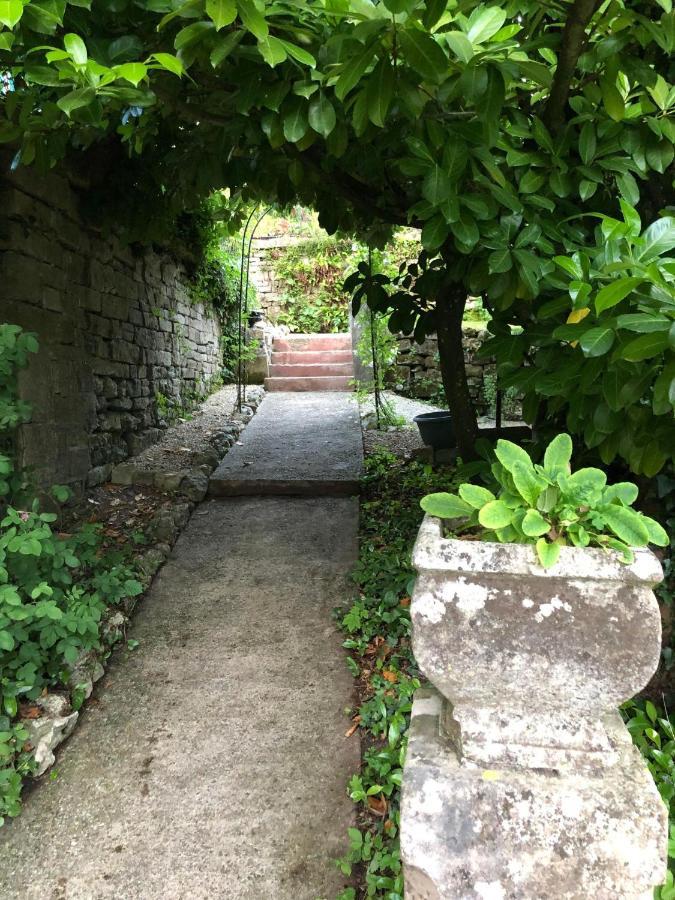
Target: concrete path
298 444
213 762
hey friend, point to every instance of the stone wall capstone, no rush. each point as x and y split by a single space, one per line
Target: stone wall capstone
121 343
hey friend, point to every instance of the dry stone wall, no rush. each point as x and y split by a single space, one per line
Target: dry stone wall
417 368
121 344
269 294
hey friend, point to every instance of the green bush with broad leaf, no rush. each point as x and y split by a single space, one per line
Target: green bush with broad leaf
54 588
550 506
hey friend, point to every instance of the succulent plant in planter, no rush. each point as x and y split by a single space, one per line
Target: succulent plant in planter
550 506
518 762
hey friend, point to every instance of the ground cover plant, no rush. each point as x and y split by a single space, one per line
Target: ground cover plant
377 635
55 590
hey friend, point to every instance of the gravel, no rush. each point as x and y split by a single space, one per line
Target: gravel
194 434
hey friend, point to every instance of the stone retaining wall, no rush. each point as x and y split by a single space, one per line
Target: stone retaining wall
121 345
417 368
269 294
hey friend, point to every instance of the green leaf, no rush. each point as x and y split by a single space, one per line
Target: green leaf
460 45
434 233
625 491
645 346
657 239
509 454
224 47
133 72
400 6
484 22
297 53
169 62
76 99
612 100
475 495
534 524
438 186
558 455
11 12
77 49
657 535
584 484
272 50
434 11
548 553
587 143
192 34
322 115
423 53
528 484
495 514
223 12
645 323
295 120
597 341
353 70
6 641
615 292
252 19
445 506
380 91
626 524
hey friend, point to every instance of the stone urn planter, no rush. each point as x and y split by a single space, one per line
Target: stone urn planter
521 780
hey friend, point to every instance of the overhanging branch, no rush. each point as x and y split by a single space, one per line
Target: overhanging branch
571 47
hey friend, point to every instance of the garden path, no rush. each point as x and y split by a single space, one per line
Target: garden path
213 761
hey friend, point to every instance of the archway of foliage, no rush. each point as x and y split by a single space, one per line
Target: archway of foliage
532 142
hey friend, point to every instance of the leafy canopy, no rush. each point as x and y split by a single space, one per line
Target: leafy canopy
507 131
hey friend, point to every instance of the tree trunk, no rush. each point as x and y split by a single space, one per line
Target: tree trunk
450 305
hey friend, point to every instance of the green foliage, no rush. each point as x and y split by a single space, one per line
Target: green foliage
652 733
550 506
602 351
54 590
454 118
311 274
377 627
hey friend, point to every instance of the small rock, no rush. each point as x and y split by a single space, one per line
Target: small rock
152 559
195 485
45 734
208 458
168 481
86 670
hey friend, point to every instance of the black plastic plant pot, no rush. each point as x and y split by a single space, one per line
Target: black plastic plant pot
436 430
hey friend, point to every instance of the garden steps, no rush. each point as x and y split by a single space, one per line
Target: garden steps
311 362
313 342
292 370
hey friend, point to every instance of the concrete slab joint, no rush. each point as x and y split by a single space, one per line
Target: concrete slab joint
521 780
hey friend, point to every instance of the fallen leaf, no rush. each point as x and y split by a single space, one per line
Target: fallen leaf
378 805
350 731
404 601
390 676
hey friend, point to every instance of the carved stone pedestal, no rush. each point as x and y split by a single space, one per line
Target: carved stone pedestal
521 780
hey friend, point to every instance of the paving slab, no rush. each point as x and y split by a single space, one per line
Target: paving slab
213 762
302 444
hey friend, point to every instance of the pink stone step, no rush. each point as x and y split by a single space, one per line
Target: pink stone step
312 342
316 370
319 383
296 357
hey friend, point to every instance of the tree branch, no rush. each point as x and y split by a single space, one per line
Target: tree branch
571 47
